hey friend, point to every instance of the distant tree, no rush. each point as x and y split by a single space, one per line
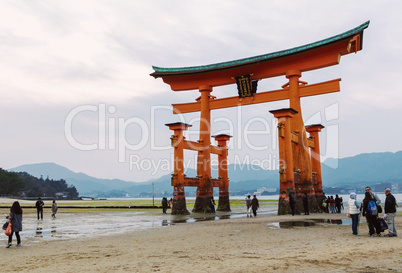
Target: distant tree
72 192
39 187
10 183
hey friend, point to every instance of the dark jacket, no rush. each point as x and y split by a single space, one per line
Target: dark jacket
39 205
16 222
390 204
305 200
366 200
254 204
164 202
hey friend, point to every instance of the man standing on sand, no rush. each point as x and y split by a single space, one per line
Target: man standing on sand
254 205
248 205
305 204
292 203
164 204
390 213
39 208
377 199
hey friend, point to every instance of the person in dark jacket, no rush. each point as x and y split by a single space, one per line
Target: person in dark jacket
254 205
390 213
305 204
164 204
338 204
292 204
16 223
371 219
39 208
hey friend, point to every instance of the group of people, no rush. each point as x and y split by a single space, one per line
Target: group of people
39 208
371 208
333 205
252 205
166 204
15 218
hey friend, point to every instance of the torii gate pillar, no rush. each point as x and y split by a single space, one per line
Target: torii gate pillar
314 130
224 204
286 166
205 187
179 199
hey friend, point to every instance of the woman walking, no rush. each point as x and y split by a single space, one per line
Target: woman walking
254 205
16 223
354 212
54 209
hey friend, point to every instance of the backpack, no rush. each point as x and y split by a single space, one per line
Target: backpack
382 224
372 208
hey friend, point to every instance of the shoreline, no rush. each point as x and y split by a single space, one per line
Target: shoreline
230 245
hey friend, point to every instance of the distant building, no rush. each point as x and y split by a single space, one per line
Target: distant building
61 195
397 188
263 189
380 187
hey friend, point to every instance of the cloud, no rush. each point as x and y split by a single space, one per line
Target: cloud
57 56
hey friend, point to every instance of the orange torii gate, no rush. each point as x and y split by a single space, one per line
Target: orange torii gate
300 165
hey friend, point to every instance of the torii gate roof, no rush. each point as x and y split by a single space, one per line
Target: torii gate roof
312 56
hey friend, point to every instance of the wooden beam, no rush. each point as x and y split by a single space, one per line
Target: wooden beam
195 181
275 95
199 147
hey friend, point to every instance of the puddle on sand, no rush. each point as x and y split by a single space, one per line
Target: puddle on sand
70 225
181 220
309 223
190 219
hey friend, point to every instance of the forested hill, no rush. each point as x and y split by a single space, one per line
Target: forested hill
26 185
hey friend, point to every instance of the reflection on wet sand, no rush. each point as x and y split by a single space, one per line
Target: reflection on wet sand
308 223
79 225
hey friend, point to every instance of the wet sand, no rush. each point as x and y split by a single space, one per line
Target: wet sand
232 245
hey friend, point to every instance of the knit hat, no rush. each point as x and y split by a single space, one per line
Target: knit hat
353 195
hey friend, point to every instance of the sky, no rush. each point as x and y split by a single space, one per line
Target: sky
75 87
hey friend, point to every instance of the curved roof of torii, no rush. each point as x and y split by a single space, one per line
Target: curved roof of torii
312 56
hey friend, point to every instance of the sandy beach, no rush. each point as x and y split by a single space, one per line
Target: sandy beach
263 244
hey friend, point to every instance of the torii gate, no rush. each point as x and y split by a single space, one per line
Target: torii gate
300 165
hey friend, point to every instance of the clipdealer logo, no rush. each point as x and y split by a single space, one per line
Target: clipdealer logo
111 134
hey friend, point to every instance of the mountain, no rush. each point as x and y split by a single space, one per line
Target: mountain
83 183
369 169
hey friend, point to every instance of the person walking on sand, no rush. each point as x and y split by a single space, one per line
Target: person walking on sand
390 213
328 201
16 223
332 202
292 204
305 204
254 205
212 205
337 204
164 204
248 205
39 208
54 209
371 215
354 212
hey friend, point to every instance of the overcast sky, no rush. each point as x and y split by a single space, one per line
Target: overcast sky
75 86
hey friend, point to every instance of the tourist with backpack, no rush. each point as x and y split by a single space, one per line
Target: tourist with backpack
370 210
